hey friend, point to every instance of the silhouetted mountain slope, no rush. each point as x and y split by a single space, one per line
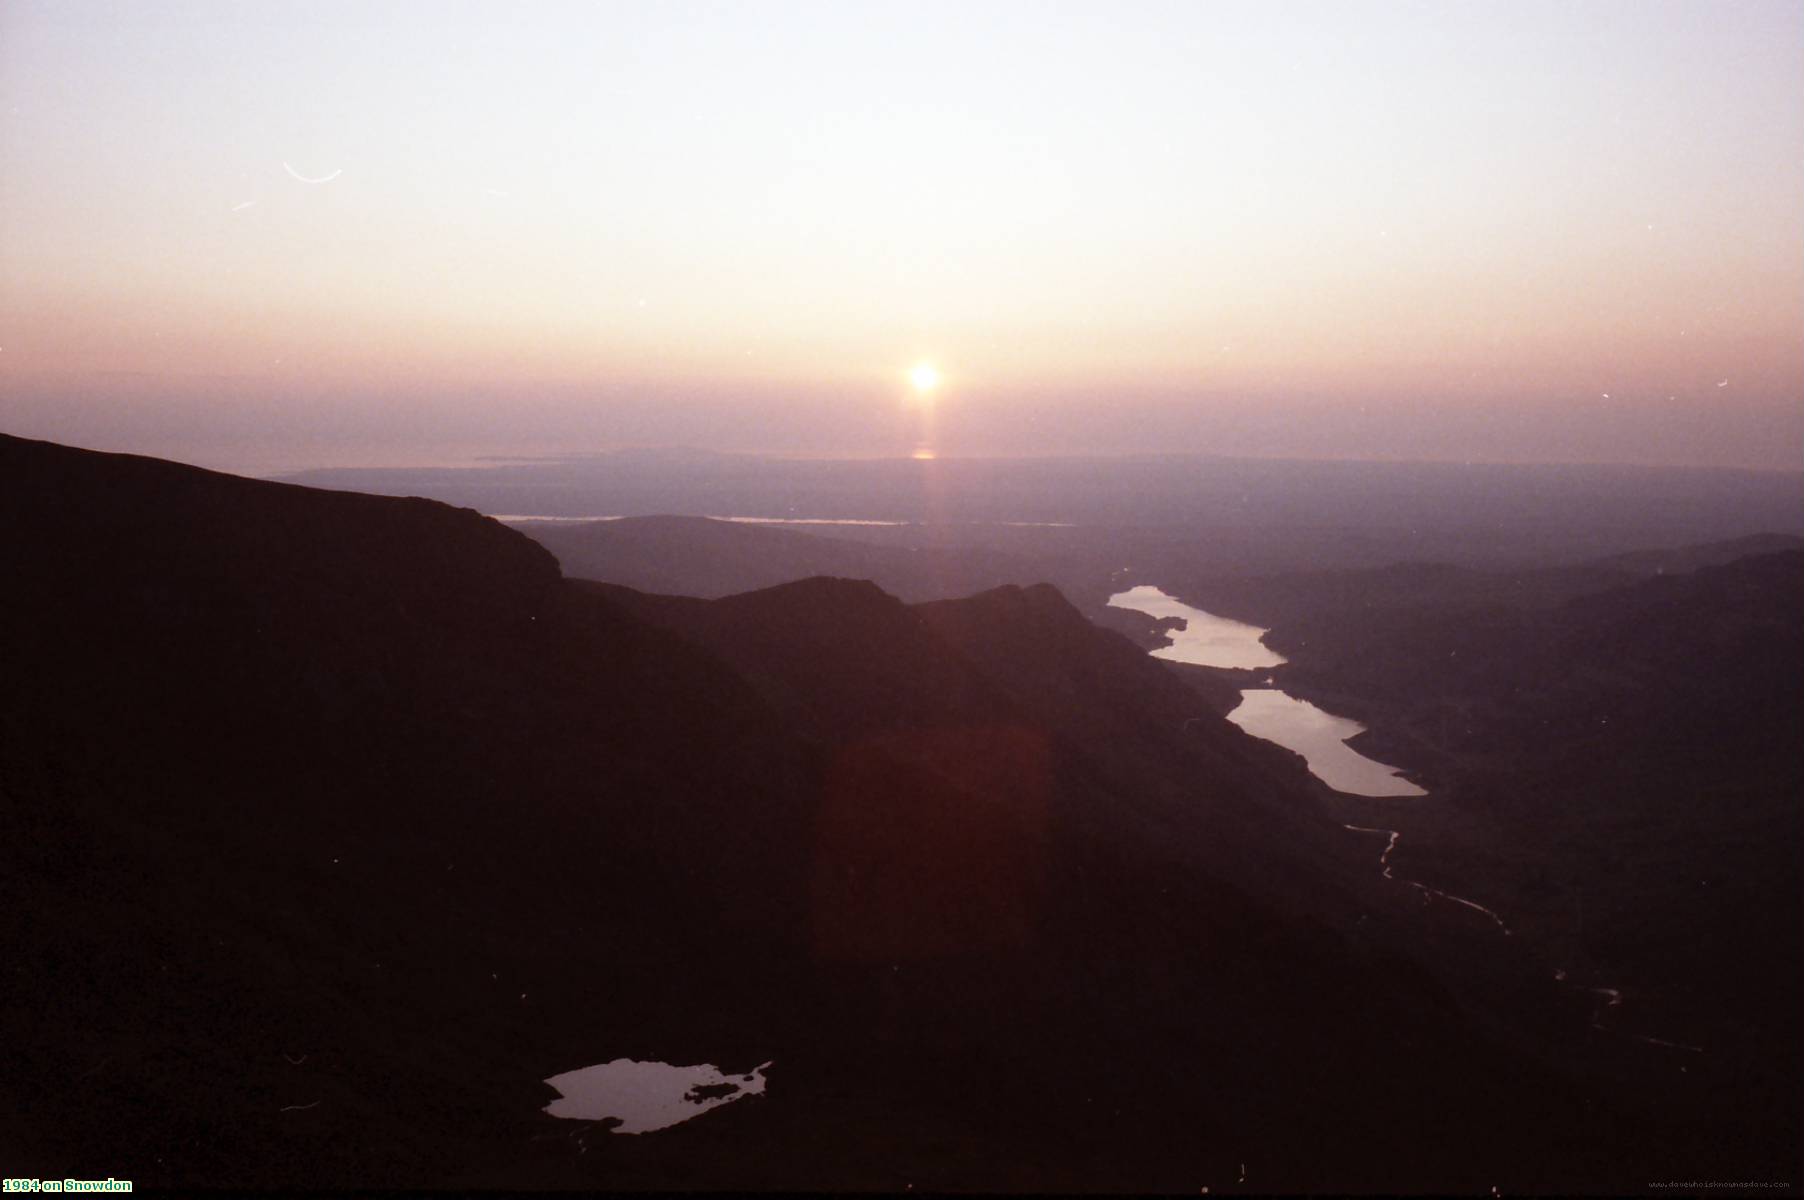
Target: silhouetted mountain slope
351 780
845 662
836 654
1133 718
696 556
339 822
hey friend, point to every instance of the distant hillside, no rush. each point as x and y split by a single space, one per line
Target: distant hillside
1714 554
1677 648
695 556
1480 514
1619 766
1289 601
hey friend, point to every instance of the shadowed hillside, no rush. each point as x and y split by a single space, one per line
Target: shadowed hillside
339 822
1614 749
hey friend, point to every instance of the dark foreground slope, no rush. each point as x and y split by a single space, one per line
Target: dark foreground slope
328 801
338 822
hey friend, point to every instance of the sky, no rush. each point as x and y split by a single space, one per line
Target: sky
264 236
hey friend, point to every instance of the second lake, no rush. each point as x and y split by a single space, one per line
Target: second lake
1320 737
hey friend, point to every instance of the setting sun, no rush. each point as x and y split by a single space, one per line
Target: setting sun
925 377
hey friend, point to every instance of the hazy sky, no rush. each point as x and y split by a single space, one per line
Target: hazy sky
258 234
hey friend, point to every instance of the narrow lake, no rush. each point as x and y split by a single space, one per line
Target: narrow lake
1205 639
1320 737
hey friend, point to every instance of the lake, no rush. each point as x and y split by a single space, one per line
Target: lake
1321 738
648 1096
1207 640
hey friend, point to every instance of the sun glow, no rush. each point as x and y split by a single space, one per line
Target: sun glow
924 377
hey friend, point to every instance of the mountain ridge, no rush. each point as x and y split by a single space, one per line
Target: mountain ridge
345 821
